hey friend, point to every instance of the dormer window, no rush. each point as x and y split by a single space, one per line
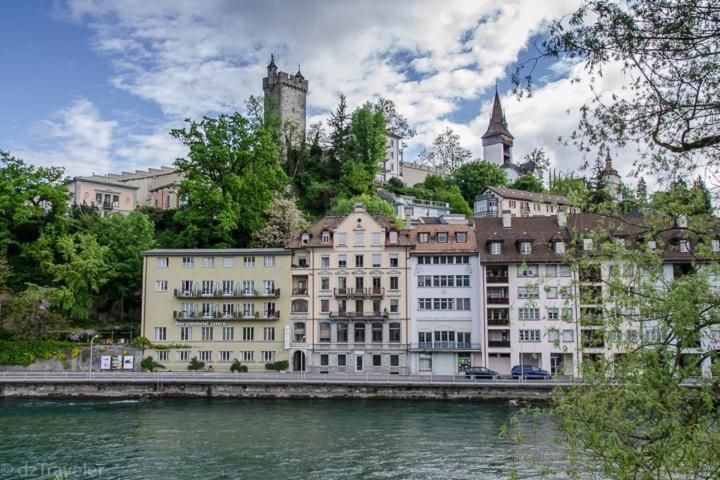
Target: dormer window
393 237
442 237
587 244
423 237
559 247
684 246
715 246
652 245
305 238
495 248
461 237
325 237
525 248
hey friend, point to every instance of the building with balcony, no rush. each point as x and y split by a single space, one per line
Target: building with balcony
445 321
109 196
218 305
349 295
519 203
527 293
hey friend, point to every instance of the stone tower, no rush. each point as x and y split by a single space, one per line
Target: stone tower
285 96
497 140
612 177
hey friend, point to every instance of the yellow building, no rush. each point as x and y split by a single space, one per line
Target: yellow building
349 309
217 305
109 196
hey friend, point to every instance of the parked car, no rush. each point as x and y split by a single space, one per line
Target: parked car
530 372
481 372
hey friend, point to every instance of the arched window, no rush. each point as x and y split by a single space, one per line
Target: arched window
299 306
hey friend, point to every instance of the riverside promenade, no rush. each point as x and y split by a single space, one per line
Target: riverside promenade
267 385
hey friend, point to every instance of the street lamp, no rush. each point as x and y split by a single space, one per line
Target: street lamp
91 351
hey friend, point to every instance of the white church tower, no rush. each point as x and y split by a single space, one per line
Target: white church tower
497 140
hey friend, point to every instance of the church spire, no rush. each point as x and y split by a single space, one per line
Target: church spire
498 124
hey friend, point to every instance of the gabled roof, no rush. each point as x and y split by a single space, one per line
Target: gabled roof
498 124
514 194
331 222
102 181
451 246
542 230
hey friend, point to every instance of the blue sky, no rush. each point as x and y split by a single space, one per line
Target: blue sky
95 86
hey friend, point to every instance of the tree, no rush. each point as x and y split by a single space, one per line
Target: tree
446 154
148 364
284 221
231 175
473 178
32 315
528 182
641 192
668 49
442 189
679 199
373 204
395 122
339 133
569 186
368 147
540 159
628 202
195 364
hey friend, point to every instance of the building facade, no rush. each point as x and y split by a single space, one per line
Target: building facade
148 182
519 203
445 321
349 304
109 196
217 305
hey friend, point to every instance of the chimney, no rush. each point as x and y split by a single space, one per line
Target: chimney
561 219
506 219
681 221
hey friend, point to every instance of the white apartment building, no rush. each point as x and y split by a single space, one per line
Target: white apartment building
496 200
445 328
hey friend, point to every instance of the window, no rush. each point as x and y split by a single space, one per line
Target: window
394 306
442 237
248 287
268 356
324 360
342 239
377 238
359 239
527 271
394 360
684 246
324 332
342 332
565 271
248 262
587 244
325 261
394 260
225 355
394 283
553 336
269 334
186 334
553 313
529 313
183 355
425 363
187 262
529 335
652 245
715 246
525 248
325 237
528 292
163 356
377 360
342 261
160 334
302 261
423 237
269 287
359 331
559 248
228 262
161 285
551 292
299 332
228 334
551 270
376 260
269 261
567 314
461 237
495 248
393 237
247 356
359 261
209 262
207 334
305 238
324 283
568 336
205 355
248 334
324 306
162 262
341 360
394 332
376 332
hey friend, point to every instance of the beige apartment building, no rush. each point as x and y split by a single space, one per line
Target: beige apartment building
349 309
109 196
494 201
217 305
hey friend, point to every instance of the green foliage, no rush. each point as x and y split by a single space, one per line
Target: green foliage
195 364
437 188
238 367
141 342
25 352
373 204
280 365
367 150
528 182
473 178
446 154
232 174
571 187
679 199
33 315
148 364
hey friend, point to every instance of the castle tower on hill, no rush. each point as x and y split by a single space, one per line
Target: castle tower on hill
286 97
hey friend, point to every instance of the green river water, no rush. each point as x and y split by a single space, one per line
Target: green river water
266 439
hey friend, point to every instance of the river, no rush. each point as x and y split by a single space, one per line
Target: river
267 439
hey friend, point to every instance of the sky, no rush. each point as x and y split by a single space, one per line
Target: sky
95 86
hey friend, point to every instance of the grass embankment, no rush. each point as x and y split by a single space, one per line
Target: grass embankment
25 352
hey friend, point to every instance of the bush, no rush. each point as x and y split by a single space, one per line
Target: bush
149 364
25 352
373 204
280 365
196 364
141 342
238 367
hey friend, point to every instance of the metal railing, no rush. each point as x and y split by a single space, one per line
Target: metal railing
201 316
445 346
221 293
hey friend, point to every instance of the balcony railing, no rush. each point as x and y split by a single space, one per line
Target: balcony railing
496 278
360 315
498 300
375 292
498 321
299 291
353 292
183 315
499 343
220 293
443 346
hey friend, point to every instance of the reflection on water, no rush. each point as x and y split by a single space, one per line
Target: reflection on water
265 439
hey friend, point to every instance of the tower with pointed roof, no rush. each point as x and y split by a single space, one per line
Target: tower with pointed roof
611 177
286 98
